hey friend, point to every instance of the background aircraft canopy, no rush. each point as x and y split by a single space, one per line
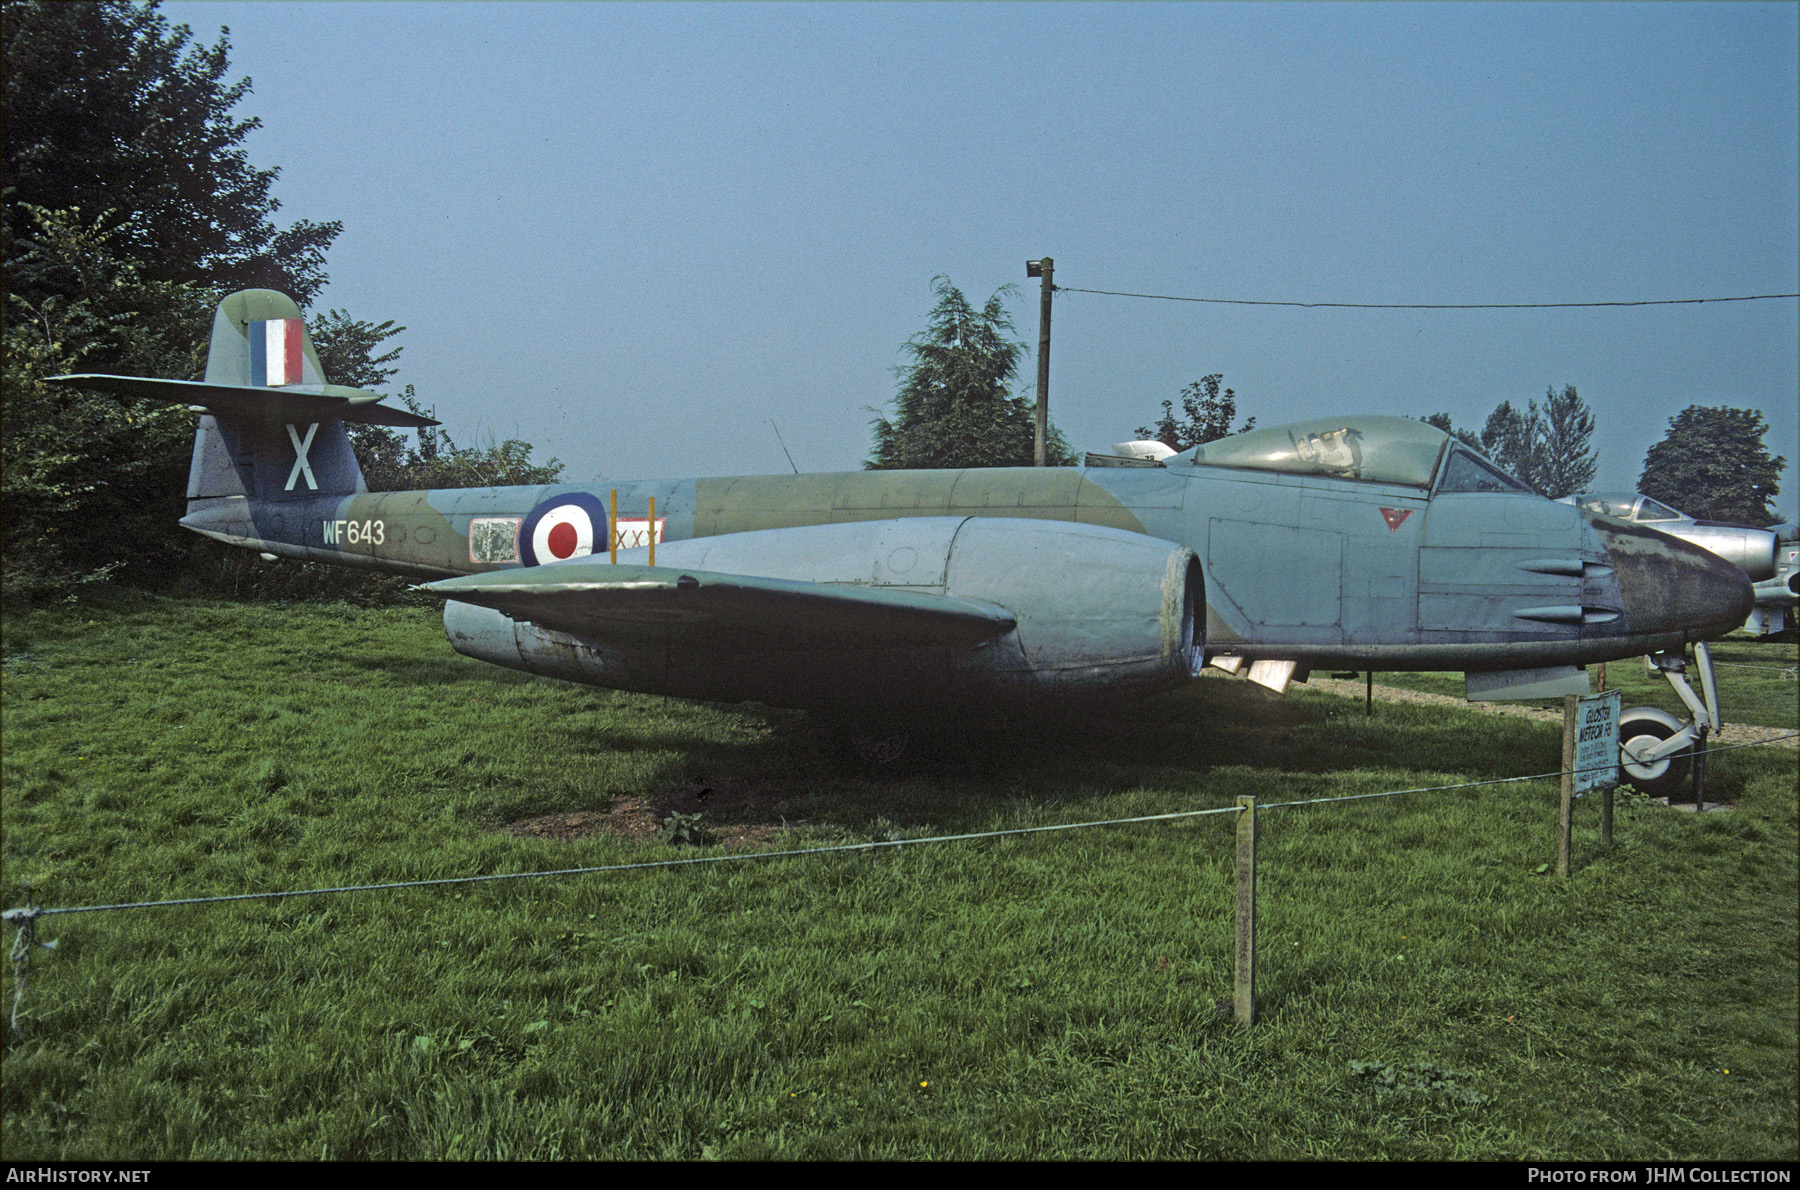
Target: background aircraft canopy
1629 506
1377 449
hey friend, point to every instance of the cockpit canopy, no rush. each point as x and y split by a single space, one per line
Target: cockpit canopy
1628 506
1374 449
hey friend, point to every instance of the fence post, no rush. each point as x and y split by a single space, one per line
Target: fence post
1244 976
1571 725
1700 774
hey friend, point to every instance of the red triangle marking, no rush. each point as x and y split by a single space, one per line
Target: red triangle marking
1395 517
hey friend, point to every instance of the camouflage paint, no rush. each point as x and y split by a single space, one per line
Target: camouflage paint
1302 560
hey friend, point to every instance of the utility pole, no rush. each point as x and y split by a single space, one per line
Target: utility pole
1046 269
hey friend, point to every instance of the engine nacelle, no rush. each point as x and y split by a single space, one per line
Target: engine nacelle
1098 611
1754 551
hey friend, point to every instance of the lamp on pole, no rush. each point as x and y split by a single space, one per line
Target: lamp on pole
1044 268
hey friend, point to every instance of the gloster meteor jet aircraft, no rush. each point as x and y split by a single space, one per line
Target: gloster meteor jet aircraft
1344 542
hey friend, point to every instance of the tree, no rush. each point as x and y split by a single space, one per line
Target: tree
1442 421
438 462
109 110
92 482
128 209
1545 447
1208 414
953 408
347 350
1510 438
1568 464
1713 464
389 464
107 107
347 347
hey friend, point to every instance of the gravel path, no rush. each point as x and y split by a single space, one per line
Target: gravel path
1731 733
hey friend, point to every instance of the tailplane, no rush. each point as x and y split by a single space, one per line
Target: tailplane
271 426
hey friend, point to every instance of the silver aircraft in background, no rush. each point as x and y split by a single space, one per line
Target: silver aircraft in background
1771 557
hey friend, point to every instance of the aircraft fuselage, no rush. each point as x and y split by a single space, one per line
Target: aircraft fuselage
1338 572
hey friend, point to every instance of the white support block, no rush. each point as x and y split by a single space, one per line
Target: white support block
1500 685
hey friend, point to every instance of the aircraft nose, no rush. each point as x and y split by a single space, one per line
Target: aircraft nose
1671 586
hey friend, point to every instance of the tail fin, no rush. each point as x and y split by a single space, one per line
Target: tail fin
260 341
272 428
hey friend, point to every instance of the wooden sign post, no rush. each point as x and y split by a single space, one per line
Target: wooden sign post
1590 760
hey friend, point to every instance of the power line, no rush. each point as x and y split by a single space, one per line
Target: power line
1759 297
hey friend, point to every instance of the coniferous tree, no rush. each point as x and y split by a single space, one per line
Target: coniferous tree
954 408
1442 421
1568 464
1509 437
1546 447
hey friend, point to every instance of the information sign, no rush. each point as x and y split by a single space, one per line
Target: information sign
1596 762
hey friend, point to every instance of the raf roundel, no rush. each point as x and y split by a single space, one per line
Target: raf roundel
568 526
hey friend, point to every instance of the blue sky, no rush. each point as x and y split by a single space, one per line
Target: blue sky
635 235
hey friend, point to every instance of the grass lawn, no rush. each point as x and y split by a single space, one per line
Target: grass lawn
1426 991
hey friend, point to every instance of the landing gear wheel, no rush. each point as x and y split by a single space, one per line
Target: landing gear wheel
875 749
1659 778
872 748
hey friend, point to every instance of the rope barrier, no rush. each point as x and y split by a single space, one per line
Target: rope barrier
22 916
1786 671
1356 797
25 919
19 915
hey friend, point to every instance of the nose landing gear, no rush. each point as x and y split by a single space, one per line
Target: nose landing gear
1656 749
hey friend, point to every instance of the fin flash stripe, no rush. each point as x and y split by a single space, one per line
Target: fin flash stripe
275 351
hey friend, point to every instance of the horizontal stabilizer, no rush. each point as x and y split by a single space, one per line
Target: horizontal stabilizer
729 612
293 402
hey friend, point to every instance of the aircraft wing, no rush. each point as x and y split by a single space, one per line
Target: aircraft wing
724 612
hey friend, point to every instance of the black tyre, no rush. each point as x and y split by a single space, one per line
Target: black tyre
867 745
1659 778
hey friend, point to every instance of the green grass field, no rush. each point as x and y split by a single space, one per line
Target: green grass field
1426 989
